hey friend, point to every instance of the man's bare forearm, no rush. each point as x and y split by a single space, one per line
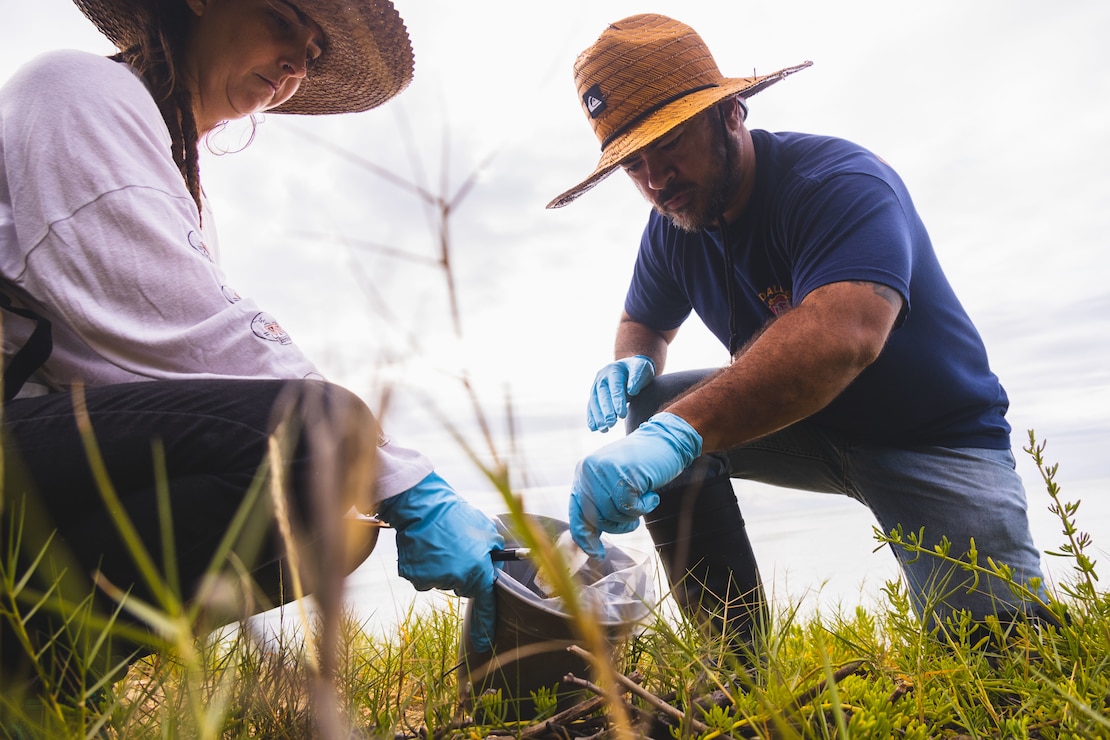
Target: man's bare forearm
634 338
796 367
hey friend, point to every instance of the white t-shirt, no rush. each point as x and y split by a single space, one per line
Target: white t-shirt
98 233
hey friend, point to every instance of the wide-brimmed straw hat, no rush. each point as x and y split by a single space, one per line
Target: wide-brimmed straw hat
643 76
366 61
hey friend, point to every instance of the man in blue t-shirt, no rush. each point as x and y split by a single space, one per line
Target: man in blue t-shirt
854 369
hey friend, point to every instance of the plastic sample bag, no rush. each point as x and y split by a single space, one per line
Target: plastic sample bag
534 627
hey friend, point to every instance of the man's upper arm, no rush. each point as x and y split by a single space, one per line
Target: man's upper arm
859 311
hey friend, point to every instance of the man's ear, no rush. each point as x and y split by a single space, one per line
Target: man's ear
733 111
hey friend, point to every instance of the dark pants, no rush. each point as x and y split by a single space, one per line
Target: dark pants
703 543
198 446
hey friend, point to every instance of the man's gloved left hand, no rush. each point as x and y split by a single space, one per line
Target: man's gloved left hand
613 385
444 542
616 485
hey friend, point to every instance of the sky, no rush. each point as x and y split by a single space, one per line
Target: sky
996 113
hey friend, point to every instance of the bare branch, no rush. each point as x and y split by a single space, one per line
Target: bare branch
646 695
375 169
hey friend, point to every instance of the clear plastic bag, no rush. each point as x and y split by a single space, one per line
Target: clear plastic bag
619 590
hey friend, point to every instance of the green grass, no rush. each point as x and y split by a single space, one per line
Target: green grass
858 672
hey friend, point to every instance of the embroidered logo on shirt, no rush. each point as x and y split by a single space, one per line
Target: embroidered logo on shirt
196 241
266 327
594 101
230 294
777 299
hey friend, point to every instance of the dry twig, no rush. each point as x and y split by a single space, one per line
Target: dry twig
838 675
635 688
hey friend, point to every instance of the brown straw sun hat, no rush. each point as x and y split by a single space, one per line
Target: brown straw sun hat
367 57
643 76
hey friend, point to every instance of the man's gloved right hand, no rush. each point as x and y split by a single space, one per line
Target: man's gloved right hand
616 485
613 385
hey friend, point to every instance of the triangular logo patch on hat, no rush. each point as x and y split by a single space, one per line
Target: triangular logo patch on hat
594 101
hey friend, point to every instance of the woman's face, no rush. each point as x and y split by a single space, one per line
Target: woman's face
246 56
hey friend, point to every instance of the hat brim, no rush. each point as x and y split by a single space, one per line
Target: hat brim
662 121
368 58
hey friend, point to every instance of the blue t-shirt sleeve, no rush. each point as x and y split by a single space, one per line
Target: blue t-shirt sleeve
853 228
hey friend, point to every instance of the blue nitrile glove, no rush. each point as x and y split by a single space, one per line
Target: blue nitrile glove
444 542
613 384
615 486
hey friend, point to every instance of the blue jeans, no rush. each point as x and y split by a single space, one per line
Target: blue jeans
960 494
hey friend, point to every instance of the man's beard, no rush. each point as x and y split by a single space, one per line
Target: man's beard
706 204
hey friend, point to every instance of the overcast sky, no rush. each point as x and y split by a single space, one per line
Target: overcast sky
995 112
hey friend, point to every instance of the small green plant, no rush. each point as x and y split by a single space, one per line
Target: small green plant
545 700
492 708
1083 588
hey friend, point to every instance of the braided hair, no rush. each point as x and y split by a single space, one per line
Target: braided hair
158 58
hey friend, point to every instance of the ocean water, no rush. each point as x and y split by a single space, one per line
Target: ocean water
816 551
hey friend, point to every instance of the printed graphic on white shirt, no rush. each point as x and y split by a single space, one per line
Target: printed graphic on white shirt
196 241
266 327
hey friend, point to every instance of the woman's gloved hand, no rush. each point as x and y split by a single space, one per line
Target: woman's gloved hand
612 387
444 542
615 486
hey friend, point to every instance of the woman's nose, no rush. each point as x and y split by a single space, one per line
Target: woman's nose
295 68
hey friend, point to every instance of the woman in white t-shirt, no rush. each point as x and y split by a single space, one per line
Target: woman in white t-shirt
114 302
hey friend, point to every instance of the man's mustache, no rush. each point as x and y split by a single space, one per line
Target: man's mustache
667 193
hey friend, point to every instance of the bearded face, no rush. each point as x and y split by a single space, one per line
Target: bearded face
692 174
707 197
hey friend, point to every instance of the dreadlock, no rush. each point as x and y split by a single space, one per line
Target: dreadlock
156 58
